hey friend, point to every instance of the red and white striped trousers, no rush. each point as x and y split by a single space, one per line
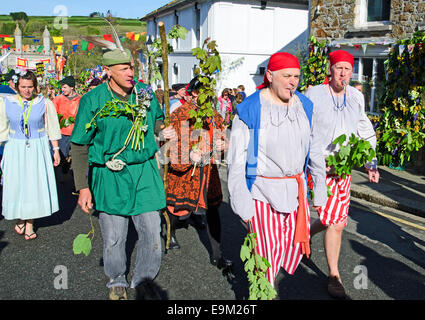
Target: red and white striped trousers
275 238
336 209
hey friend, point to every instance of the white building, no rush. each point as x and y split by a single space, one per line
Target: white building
247 34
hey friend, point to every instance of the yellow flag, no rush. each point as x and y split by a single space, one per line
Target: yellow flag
9 39
137 36
59 48
57 40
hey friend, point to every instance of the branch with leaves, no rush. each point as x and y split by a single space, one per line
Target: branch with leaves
354 153
256 268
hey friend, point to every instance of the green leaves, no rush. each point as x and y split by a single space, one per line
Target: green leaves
354 153
209 63
82 243
256 268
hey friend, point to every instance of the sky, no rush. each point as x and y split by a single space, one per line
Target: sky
119 8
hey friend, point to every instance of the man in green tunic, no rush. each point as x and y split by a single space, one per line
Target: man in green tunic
135 191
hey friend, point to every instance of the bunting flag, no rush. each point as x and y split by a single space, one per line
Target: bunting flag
74 47
410 48
108 37
90 46
401 49
137 36
4 36
6 46
59 48
36 40
57 40
9 39
84 45
22 63
40 48
74 42
130 35
25 48
364 47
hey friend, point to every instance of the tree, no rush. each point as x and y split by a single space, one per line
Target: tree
19 16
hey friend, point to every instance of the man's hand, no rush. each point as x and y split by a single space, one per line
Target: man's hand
220 145
195 156
373 175
85 200
168 133
316 208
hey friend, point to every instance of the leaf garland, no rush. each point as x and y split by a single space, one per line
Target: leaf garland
403 119
136 113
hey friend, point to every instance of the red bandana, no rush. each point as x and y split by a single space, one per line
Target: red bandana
341 55
279 61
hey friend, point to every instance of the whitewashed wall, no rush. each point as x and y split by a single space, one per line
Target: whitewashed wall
245 34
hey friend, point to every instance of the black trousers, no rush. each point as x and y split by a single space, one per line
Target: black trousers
213 229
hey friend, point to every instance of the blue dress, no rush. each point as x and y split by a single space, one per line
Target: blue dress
29 184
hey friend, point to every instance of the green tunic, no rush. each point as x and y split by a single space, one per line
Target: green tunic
136 189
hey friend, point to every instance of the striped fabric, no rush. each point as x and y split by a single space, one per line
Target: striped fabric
275 236
336 209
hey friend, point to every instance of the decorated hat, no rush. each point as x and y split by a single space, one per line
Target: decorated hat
116 56
341 55
279 61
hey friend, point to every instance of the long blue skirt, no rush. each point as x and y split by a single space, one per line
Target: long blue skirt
29 183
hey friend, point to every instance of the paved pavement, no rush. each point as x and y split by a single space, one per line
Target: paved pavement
402 190
391 253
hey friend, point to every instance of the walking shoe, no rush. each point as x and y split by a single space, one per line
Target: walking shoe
118 293
335 288
173 243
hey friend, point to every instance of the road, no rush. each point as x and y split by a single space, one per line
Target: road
381 258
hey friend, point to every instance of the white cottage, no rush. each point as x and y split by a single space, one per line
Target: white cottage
247 34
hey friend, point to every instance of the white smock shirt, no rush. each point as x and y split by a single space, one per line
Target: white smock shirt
283 145
334 117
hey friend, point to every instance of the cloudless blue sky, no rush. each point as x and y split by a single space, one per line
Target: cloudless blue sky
119 8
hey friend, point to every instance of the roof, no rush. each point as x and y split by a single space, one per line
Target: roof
175 4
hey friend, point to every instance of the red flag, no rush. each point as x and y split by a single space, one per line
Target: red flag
108 37
90 45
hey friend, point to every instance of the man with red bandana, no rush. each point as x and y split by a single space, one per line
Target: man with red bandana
271 145
339 109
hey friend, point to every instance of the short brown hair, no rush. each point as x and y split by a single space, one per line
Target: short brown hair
29 75
241 87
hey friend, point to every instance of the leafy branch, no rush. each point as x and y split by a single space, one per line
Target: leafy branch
209 63
256 267
354 153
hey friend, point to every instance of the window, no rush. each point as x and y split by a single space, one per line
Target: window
371 13
378 10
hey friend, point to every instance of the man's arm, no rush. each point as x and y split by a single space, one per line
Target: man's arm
80 167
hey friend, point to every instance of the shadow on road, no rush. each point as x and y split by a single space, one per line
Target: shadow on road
396 279
389 233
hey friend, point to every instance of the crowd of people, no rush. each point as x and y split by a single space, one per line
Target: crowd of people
279 139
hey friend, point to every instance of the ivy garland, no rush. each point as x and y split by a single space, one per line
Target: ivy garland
315 69
403 120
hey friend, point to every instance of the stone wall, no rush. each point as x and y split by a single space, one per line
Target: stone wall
336 19
405 16
333 19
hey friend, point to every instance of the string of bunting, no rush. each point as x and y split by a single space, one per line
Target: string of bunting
59 41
